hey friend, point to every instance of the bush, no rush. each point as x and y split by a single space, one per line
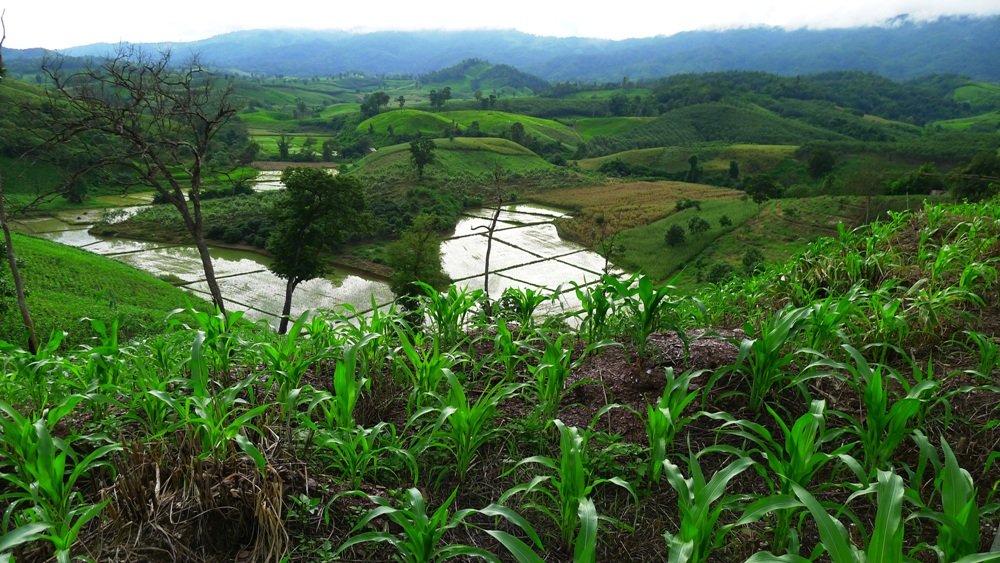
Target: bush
674 236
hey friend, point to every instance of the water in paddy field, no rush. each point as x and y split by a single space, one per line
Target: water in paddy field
527 253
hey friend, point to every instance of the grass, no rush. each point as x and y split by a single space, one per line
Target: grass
462 155
644 249
977 93
269 142
67 284
414 121
779 231
989 121
713 159
589 127
621 206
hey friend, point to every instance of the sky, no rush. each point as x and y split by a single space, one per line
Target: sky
56 24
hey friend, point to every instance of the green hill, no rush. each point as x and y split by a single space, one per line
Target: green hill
459 156
470 75
414 122
66 284
713 159
700 123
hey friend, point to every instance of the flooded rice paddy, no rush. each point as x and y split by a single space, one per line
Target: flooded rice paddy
527 253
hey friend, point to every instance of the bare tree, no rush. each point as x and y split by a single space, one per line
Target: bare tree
11 256
162 122
499 175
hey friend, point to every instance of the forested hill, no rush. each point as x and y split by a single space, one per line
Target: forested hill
902 49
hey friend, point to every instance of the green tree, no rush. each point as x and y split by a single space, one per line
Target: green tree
694 173
284 146
401 101
675 235
698 226
725 221
761 188
329 150
372 103
416 256
979 179
422 154
315 212
821 163
734 170
921 181
752 259
517 133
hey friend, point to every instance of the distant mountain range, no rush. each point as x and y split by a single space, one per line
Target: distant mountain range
900 49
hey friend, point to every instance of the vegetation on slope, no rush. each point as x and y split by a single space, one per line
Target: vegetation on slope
67 284
862 373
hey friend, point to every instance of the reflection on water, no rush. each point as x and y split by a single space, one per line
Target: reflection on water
527 252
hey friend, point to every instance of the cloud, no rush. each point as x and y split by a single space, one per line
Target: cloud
31 23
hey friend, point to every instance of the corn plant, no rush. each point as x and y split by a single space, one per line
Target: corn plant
423 530
215 420
884 544
18 536
448 312
763 360
552 369
886 315
566 492
827 319
426 368
221 335
988 352
507 351
520 305
700 503
793 458
288 361
958 520
361 454
42 374
46 471
596 308
647 309
885 423
464 426
666 418
106 359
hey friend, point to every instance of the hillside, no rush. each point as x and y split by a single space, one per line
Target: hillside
66 285
904 49
456 157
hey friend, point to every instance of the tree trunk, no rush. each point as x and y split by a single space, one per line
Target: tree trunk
213 284
22 303
286 311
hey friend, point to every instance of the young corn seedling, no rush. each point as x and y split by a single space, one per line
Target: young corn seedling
449 312
519 305
215 420
422 531
988 351
763 360
42 486
288 362
596 306
507 351
795 457
959 518
885 422
463 427
362 454
700 503
648 309
221 335
666 418
566 492
425 368
549 375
